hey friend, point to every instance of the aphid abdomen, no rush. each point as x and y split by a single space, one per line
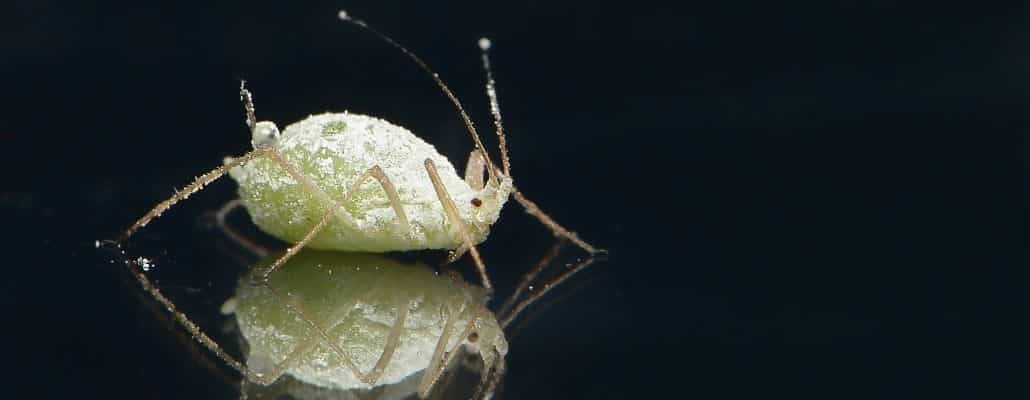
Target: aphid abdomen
355 298
334 151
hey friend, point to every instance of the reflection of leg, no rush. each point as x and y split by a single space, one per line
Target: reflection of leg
297 309
221 217
391 193
510 316
558 230
436 364
306 346
448 355
183 320
528 277
456 221
490 378
392 342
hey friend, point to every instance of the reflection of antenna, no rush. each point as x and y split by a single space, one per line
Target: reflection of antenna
436 78
511 310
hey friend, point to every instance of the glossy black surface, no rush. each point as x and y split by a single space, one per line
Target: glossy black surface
800 200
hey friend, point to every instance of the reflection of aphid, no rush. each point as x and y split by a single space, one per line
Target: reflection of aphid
339 320
383 322
312 184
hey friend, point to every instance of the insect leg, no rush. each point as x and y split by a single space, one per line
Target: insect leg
391 193
185 193
452 214
334 209
240 239
550 223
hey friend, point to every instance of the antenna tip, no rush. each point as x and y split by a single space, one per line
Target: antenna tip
342 14
484 44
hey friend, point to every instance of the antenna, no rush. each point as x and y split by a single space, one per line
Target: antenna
436 78
495 108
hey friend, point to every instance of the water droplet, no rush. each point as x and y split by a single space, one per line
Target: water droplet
144 263
343 15
484 44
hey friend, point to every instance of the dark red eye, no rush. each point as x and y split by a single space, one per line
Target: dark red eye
477 202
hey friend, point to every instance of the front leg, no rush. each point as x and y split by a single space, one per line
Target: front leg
457 222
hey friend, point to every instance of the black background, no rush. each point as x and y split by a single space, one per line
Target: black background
800 199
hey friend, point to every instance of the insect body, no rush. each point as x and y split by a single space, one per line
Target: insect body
310 184
341 181
383 321
377 171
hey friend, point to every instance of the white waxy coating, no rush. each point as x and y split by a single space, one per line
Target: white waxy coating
334 150
355 297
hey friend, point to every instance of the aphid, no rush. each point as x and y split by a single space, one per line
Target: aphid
344 181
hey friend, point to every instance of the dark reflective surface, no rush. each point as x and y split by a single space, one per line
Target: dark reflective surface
800 199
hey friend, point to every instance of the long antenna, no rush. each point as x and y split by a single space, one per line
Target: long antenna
495 107
436 78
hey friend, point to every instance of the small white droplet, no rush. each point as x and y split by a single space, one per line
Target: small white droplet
343 15
484 44
96 244
144 264
530 287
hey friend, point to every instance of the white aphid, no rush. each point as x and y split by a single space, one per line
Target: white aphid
342 181
334 151
345 181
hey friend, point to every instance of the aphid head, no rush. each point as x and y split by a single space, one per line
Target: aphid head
488 202
265 134
488 342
